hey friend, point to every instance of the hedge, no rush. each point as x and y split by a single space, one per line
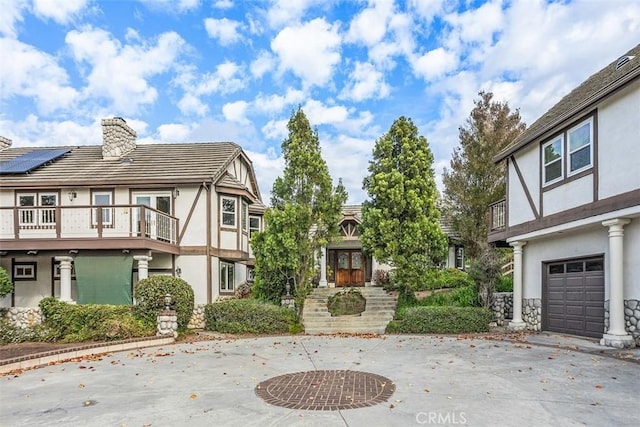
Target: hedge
149 295
90 322
442 320
249 316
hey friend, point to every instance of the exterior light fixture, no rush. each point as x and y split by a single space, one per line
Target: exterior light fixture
176 193
72 195
167 302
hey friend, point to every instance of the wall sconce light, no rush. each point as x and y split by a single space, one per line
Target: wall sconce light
176 193
125 251
73 252
32 252
178 271
167 302
72 195
3 253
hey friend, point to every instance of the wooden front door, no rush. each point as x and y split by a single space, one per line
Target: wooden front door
350 271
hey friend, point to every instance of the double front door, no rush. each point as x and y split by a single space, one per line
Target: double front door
350 268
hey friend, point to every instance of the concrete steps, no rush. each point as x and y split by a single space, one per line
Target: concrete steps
379 311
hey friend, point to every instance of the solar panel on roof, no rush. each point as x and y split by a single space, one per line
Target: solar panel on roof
31 160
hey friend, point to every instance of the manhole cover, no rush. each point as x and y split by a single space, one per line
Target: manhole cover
326 390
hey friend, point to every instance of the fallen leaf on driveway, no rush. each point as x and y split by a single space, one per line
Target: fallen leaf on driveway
193 396
599 387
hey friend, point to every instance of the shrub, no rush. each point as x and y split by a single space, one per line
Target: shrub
10 333
454 278
149 295
383 278
249 316
485 272
6 286
243 290
90 322
442 320
346 303
505 284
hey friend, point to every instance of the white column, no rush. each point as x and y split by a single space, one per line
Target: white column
65 277
143 266
616 336
517 322
323 268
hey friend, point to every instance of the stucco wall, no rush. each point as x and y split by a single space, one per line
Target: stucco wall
528 161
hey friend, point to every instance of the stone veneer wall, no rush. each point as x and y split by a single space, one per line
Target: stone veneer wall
118 138
631 318
23 317
197 318
502 307
532 313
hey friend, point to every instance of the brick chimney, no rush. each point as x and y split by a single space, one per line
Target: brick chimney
118 139
4 143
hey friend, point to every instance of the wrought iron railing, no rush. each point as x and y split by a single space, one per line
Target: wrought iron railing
498 215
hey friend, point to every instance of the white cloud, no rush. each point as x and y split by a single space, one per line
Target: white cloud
310 51
223 4
60 11
35 74
262 64
284 12
33 131
190 104
320 114
173 132
170 6
478 25
11 15
348 158
370 25
365 82
275 129
434 63
277 103
225 30
400 41
120 73
236 112
427 10
268 166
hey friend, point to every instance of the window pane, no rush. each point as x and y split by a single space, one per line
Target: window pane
556 269
581 158
552 171
102 199
228 219
596 265
48 200
356 260
228 205
163 204
245 209
27 200
580 137
575 267
254 223
553 151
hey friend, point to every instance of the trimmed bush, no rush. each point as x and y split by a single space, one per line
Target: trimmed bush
6 286
346 303
249 316
10 334
90 322
442 320
149 295
447 278
504 284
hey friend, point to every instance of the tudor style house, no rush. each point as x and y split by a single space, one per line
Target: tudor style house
572 211
343 263
85 223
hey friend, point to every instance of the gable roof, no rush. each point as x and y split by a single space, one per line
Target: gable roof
597 87
152 164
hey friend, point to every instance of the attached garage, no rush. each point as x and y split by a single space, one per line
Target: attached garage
573 297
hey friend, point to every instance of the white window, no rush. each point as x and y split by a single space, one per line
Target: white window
245 212
254 224
24 271
102 198
40 209
228 211
460 257
226 276
552 160
579 146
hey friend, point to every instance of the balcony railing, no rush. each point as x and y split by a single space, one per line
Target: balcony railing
498 215
82 222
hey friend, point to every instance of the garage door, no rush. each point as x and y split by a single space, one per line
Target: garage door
573 296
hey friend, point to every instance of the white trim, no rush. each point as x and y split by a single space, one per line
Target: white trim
223 212
590 145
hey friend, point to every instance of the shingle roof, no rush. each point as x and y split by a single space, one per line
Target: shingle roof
152 164
583 97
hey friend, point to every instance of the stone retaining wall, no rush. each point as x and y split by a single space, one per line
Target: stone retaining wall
631 318
22 317
197 318
502 307
532 313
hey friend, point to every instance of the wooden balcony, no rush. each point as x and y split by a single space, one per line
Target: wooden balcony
88 227
497 221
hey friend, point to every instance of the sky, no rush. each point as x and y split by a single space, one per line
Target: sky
224 70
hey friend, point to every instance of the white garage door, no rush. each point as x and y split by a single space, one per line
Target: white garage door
573 297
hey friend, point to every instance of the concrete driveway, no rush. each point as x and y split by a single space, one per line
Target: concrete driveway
547 380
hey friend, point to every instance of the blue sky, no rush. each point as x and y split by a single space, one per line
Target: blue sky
196 70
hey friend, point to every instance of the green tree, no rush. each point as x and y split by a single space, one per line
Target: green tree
304 215
474 181
400 222
6 286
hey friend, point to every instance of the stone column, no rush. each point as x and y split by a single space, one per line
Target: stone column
65 277
517 323
143 266
323 268
616 336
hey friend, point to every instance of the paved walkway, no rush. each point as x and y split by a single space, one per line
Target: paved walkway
549 380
